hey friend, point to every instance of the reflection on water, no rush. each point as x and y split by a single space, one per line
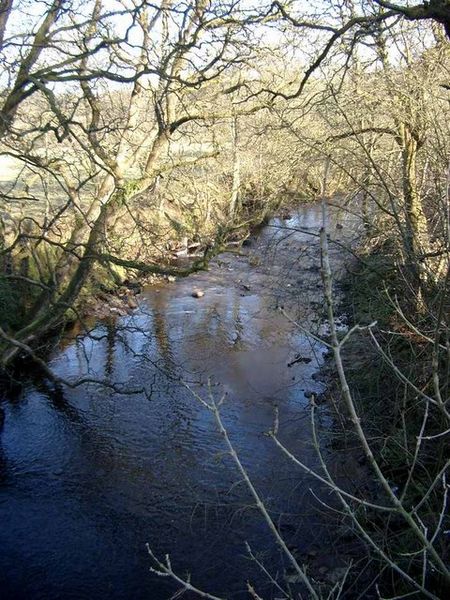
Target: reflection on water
88 476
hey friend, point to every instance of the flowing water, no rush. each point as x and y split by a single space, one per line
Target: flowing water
89 475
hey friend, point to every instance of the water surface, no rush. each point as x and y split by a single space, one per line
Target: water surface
88 476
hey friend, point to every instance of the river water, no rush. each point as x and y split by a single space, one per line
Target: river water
88 475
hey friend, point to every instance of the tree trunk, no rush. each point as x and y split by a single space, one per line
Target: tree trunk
52 314
416 228
236 183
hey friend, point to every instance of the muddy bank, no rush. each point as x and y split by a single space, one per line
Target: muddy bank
88 476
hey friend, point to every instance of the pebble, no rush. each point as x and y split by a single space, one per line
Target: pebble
198 294
132 302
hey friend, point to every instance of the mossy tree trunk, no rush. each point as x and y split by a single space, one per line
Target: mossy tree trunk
416 227
236 176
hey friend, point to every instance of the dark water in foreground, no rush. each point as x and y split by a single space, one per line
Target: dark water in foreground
88 476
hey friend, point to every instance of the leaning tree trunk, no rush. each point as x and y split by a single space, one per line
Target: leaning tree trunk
52 314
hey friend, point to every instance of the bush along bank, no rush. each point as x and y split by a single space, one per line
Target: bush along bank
395 444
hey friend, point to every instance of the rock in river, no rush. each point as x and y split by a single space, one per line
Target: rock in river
198 294
132 303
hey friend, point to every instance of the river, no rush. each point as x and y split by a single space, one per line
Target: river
88 476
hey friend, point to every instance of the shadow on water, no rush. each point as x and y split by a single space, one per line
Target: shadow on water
88 475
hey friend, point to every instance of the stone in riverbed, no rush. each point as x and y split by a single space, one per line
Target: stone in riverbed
132 302
198 294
